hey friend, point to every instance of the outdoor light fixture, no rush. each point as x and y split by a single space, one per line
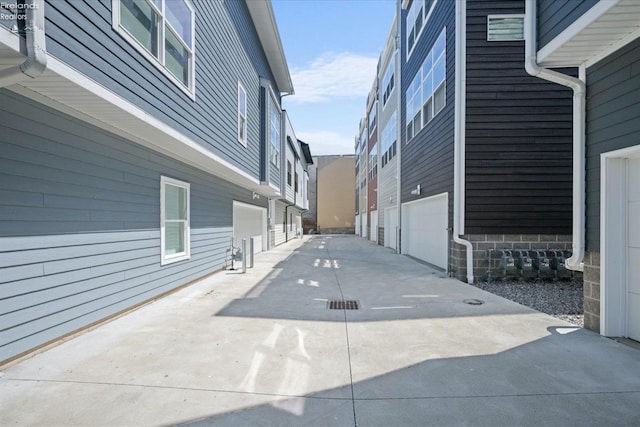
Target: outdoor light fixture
255 195
416 191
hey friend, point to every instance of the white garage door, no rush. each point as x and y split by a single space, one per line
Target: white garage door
373 233
250 221
358 231
391 227
424 229
633 249
363 222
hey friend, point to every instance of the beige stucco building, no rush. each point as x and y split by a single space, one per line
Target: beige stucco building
334 201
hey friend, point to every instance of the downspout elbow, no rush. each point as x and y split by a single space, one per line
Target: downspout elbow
36 61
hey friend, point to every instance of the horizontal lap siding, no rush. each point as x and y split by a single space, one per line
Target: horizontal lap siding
80 34
518 137
554 16
428 158
613 121
79 224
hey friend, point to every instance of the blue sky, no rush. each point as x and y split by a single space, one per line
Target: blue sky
332 47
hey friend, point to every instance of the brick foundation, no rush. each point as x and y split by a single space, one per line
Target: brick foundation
592 291
484 244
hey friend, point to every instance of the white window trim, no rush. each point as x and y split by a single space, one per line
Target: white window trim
423 121
158 62
246 115
375 121
272 103
514 15
170 259
389 74
426 16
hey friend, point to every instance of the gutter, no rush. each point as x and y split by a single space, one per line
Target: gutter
36 61
575 262
459 136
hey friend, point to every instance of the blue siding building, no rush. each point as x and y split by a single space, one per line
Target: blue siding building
139 141
602 39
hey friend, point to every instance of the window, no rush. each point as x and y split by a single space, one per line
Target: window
174 220
372 118
373 162
426 95
388 81
288 173
296 182
414 23
417 16
274 134
163 30
242 115
388 140
505 27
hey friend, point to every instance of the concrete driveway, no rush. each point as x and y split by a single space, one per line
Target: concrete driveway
263 349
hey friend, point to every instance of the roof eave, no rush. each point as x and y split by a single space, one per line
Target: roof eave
264 20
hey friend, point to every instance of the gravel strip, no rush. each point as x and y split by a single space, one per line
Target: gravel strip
561 299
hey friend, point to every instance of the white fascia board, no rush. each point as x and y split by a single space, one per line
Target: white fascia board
87 100
265 23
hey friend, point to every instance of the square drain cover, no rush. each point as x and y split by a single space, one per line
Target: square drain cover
340 304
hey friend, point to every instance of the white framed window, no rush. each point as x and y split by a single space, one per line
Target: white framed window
388 139
505 27
372 117
415 21
274 133
175 244
164 32
413 103
426 95
388 81
242 115
288 173
373 162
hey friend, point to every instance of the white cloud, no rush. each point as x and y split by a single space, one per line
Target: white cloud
334 75
327 142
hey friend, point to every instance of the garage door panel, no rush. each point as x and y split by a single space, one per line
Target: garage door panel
390 227
249 221
634 224
633 327
633 249
634 270
634 180
425 230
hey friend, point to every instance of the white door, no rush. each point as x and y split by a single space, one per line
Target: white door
358 232
391 227
363 222
249 221
424 229
373 234
633 249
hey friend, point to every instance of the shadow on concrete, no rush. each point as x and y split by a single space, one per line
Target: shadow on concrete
570 377
386 285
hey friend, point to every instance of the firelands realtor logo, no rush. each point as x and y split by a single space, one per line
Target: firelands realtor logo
13 11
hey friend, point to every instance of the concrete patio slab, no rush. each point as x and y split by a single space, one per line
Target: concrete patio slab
263 349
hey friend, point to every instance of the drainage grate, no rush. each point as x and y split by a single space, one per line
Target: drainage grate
339 304
473 301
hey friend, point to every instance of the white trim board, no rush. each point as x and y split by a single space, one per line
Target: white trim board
613 241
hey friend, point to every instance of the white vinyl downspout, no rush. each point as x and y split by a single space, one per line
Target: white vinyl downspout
575 262
36 61
399 125
459 136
